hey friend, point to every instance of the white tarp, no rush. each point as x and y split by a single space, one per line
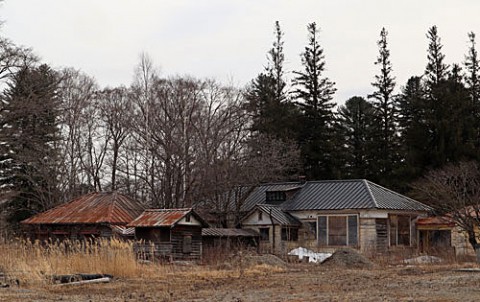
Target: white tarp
423 260
312 256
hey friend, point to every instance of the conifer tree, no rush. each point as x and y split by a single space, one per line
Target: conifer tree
357 121
314 93
436 70
472 66
412 127
385 111
29 133
272 112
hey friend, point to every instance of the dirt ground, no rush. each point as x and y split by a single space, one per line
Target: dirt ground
297 282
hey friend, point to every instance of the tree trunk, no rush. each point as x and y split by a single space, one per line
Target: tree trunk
476 246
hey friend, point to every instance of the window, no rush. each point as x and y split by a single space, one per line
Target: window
187 244
338 230
187 217
260 215
312 228
399 230
264 234
275 197
164 234
289 234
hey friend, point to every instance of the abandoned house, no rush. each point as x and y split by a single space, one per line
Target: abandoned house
171 234
94 215
276 227
331 214
440 234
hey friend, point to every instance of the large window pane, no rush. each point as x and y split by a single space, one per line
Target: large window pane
264 234
337 230
393 230
289 234
404 230
352 230
322 230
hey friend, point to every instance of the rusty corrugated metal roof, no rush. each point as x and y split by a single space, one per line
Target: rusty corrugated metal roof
163 217
435 221
99 207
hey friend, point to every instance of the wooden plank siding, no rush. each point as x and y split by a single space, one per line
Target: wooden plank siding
44 232
185 242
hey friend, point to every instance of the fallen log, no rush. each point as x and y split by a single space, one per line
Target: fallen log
100 280
78 277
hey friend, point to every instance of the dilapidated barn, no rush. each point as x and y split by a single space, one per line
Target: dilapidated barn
94 215
170 234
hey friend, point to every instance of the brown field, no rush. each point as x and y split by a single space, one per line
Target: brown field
298 282
223 280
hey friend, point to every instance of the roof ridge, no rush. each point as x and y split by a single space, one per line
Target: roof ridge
167 210
393 192
366 182
336 180
111 206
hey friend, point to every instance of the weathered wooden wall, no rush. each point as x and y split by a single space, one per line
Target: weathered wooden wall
70 232
173 249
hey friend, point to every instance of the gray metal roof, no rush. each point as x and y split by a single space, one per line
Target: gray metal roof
390 200
258 194
336 195
279 215
224 232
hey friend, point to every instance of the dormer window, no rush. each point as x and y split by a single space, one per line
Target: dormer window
275 197
187 217
260 216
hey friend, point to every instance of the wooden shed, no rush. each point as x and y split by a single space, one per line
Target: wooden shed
170 234
94 215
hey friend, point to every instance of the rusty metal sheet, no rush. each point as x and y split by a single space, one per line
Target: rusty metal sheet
99 207
435 221
159 217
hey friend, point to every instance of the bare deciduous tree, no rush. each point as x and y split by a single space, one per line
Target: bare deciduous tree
455 191
76 91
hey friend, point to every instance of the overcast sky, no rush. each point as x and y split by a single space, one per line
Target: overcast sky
228 39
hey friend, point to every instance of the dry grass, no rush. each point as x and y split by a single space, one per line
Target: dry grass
34 262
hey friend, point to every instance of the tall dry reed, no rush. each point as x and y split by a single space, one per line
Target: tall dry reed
38 261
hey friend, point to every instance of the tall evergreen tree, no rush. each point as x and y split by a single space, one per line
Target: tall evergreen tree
412 127
447 109
437 70
472 83
29 132
472 76
272 112
314 93
276 59
357 121
384 103
443 127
